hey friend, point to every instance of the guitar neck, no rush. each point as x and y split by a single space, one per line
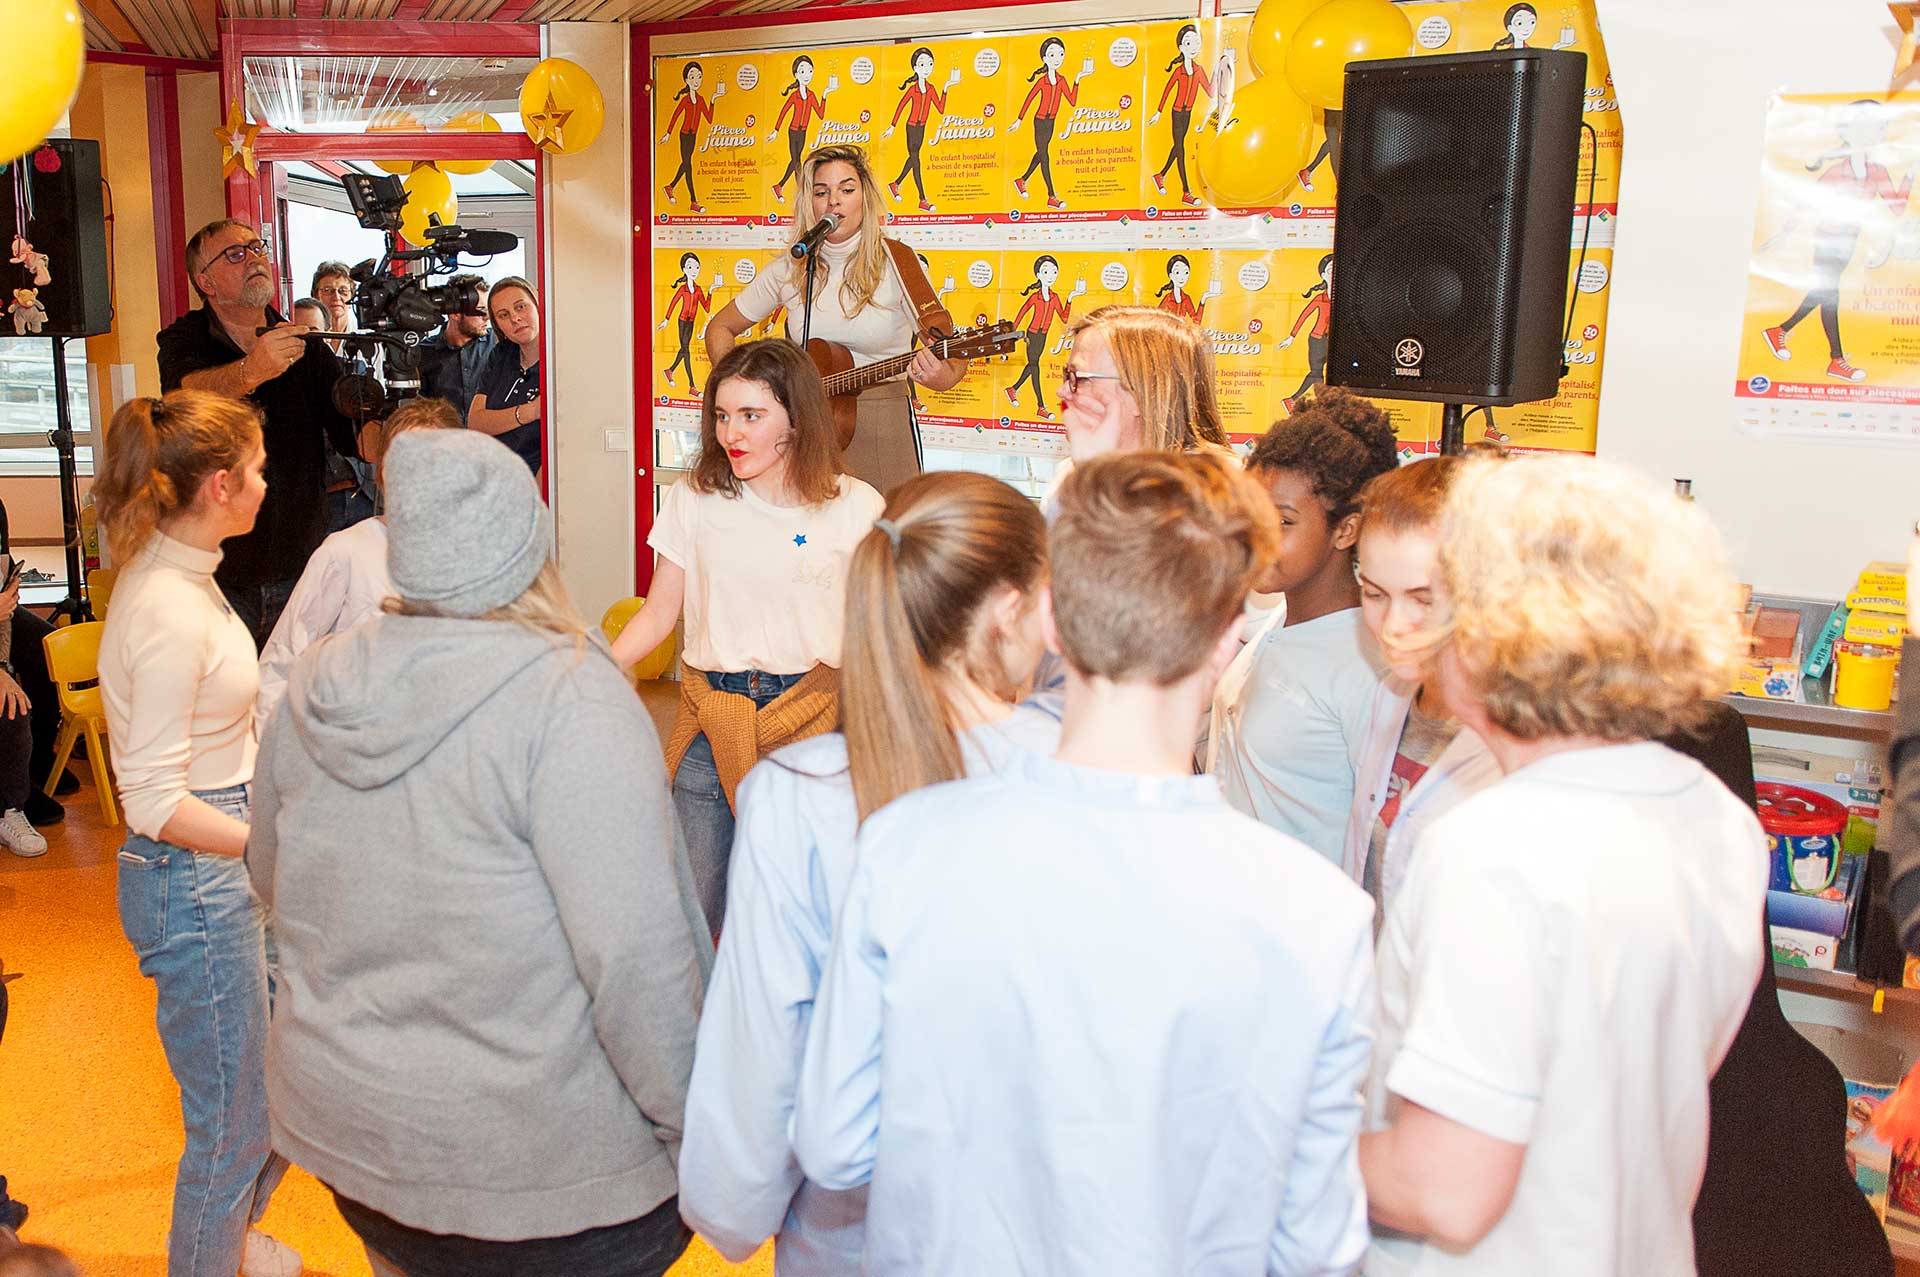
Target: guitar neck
858 379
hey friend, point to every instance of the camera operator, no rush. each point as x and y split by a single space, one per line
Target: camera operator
219 348
454 359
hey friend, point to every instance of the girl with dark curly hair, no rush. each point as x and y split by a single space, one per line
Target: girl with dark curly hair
1291 712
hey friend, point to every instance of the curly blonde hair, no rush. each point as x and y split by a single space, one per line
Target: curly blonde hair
1587 600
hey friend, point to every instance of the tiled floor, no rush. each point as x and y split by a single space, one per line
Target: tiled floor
89 1117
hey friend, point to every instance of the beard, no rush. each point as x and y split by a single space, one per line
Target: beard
256 292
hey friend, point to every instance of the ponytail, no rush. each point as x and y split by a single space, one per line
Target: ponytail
1179 57
685 72
1038 262
159 451
1320 270
795 68
1179 259
913 75
1042 68
916 586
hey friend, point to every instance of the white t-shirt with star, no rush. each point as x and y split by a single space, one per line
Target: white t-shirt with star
766 584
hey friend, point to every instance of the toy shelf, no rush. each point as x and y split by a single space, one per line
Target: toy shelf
1817 708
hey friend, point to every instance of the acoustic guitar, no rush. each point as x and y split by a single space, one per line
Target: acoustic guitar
844 382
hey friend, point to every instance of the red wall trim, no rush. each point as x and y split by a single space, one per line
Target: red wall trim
169 197
152 61
640 134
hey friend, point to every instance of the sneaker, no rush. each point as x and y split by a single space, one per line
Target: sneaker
1776 339
1190 199
1013 399
1020 186
1838 368
893 189
1055 203
1286 406
669 377
18 833
266 1257
1159 185
778 198
1045 415
669 191
42 810
699 208
925 206
1306 179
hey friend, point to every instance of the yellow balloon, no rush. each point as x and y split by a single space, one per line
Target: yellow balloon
428 191
561 107
1253 157
1274 23
470 122
1339 32
657 662
43 76
394 121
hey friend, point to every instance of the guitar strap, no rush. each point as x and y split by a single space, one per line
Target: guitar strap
929 316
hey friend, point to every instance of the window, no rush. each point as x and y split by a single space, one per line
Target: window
27 411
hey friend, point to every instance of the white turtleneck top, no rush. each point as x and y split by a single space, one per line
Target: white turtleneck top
884 327
178 676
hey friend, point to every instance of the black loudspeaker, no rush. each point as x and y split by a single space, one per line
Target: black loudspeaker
1454 224
68 223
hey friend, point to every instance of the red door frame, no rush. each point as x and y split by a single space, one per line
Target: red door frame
640 133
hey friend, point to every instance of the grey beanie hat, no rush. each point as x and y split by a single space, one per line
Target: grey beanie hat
467 531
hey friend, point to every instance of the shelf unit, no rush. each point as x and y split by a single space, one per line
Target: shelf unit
1816 710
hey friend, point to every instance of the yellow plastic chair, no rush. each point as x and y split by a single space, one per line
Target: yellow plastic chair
657 662
100 590
73 656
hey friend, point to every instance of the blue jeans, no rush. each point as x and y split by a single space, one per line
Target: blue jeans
260 606
701 802
201 938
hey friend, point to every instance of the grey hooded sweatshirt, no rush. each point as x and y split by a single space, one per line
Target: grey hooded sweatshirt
492 956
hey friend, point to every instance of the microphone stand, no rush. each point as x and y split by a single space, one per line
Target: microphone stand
806 309
75 605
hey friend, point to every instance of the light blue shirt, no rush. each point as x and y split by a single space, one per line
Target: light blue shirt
793 855
1079 1021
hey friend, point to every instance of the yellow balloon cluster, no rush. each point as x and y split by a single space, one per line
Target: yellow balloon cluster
429 191
1300 49
561 107
41 81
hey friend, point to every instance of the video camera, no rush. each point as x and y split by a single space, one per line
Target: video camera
398 311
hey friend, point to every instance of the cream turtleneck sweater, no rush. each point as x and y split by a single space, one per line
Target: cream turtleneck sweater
178 675
883 328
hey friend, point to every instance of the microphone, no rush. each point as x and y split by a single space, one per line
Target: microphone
811 240
481 243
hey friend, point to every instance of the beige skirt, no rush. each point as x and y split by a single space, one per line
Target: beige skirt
886 443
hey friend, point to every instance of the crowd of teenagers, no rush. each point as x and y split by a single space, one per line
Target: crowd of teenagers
1216 868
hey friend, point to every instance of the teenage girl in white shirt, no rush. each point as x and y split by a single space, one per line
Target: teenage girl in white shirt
751 548
178 675
1416 763
1289 733
943 626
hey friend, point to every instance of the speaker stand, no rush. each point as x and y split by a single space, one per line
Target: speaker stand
1453 430
74 606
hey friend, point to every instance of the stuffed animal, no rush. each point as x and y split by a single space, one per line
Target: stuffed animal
36 262
28 313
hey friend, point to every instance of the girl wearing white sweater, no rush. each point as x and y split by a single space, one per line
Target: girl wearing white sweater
178 677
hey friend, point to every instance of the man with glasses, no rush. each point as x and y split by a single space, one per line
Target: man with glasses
220 348
454 358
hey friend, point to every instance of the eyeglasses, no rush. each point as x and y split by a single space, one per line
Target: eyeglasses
1071 377
239 253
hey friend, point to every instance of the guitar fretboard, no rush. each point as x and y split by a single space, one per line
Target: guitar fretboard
855 379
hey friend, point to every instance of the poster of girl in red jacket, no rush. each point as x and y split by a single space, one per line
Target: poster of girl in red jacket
1050 92
919 99
1173 295
1187 82
798 113
690 111
1039 310
1319 309
684 308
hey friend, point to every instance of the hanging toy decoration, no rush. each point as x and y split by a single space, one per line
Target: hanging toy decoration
236 138
46 160
25 255
40 84
561 107
28 314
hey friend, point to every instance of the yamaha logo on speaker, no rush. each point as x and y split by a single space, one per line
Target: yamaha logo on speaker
1408 356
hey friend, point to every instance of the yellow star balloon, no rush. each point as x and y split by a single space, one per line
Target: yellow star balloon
561 107
236 142
544 126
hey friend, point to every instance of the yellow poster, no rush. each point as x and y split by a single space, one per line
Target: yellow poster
688 288
828 97
1182 60
706 153
942 151
967 284
1830 346
1229 293
1074 139
1042 294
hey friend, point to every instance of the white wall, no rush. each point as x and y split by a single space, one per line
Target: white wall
588 285
1693 78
